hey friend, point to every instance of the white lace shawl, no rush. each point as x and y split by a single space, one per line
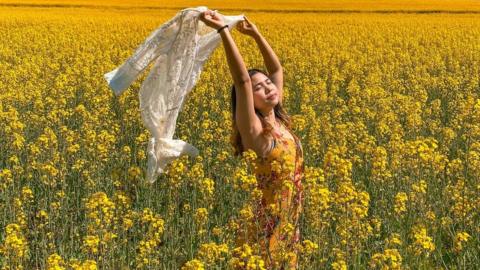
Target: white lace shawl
179 47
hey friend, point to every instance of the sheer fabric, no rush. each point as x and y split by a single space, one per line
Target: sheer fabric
179 48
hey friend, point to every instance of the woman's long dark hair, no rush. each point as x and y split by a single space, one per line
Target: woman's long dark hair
280 113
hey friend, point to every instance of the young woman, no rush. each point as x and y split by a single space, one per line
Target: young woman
261 124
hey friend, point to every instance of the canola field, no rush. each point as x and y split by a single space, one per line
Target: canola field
387 106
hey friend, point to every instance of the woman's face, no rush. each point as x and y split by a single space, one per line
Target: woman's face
265 93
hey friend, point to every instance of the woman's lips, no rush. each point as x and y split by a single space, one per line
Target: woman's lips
272 96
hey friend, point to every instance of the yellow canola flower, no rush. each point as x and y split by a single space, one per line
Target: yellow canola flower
244 258
309 247
15 245
27 194
400 206
86 265
423 243
460 239
207 186
90 243
201 215
211 252
246 212
389 259
55 262
339 265
193 265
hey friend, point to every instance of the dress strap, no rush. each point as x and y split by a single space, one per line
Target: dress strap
274 141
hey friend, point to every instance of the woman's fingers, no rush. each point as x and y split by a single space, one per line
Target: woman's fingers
210 16
205 15
215 14
210 13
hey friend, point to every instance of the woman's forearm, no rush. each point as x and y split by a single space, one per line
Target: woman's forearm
234 58
270 58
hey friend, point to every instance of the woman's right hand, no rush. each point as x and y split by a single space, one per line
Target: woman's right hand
247 27
212 18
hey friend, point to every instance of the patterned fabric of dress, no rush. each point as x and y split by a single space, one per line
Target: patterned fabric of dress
276 225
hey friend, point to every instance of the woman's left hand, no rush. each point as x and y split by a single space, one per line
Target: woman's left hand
246 27
212 18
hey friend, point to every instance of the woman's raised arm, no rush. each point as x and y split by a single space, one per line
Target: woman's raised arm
247 121
271 60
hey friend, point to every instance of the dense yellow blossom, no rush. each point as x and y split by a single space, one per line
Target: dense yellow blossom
15 245
193 265
389 259
400 206
55 262
211 252
244 258
423 244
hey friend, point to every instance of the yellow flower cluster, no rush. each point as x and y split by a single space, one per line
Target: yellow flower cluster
15 246
56 262
400 205
207 187
147 256
309 247
193 265
6 178
389 259
243 180
244 258
460 239
100 213
201 216
210 253
423 244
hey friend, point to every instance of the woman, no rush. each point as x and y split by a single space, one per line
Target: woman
261 124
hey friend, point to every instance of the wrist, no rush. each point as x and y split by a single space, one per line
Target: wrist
221 28
256 35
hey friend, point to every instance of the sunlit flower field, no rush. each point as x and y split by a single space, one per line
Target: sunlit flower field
387 106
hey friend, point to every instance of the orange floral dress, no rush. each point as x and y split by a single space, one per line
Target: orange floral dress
276 227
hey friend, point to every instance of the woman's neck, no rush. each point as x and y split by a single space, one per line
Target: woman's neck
270 117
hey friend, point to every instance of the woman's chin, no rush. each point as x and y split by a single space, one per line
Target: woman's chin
273 101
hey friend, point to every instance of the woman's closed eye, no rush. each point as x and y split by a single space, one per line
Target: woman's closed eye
258 87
